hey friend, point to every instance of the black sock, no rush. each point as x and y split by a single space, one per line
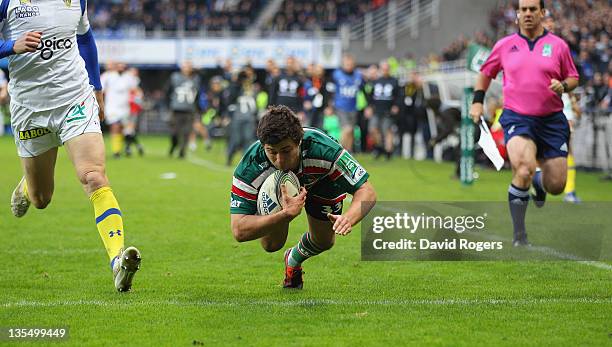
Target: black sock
518 200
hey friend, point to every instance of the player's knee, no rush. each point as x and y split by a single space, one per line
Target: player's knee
40 200
524 172
555 187
94 178
272 246
326 245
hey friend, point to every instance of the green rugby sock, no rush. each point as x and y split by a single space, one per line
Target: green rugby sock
305 249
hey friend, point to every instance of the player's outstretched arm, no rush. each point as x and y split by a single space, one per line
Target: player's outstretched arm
343 224
27 42
480 88
252 227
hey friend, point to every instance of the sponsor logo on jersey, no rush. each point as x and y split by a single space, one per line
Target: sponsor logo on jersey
26 10
33 133
350 167
235 203
48 47
547 50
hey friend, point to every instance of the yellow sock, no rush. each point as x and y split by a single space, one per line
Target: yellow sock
108 220
570 184
25 189
116 143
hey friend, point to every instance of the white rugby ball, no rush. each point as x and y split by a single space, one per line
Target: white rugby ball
269 196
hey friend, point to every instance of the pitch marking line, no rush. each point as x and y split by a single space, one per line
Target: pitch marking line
312 302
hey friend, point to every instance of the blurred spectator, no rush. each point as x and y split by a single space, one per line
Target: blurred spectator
121 16
327 15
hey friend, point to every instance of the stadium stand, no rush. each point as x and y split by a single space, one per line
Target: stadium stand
118 17
327 15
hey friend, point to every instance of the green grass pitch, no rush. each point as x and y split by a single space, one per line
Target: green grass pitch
198 286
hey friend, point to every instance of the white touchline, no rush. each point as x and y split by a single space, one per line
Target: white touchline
313 302
208 164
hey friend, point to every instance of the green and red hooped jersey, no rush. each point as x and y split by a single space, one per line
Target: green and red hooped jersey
326 170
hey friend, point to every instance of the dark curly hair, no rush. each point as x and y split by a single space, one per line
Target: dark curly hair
278 124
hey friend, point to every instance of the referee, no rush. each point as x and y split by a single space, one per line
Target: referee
538 68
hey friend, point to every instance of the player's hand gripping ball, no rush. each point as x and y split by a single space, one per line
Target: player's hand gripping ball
269 199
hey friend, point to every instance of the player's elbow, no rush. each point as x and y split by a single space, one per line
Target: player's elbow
369 193
239 233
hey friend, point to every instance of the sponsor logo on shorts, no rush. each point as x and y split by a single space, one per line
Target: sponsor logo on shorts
563 147
48 47
511 130
77 113
33 133
26 10
68 3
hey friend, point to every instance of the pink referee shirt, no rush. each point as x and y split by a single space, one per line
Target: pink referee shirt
528 68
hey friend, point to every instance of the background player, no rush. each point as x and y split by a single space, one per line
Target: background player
326 170
537 68
384 99
572 111
53 104
117 84
347 81
183 90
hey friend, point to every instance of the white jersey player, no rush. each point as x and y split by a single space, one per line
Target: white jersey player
117 86
53 69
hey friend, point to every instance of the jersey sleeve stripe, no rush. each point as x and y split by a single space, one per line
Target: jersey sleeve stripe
334 175
262 177
243 194
243 186
315 170
83 6
317 163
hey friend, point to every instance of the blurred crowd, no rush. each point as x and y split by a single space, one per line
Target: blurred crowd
116 17
366 109
320 14
120 16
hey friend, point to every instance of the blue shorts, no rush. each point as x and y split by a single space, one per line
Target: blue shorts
551 134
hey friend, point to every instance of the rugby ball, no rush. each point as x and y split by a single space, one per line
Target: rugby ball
269 196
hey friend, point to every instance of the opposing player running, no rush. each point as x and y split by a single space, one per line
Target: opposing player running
326 170
51 52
